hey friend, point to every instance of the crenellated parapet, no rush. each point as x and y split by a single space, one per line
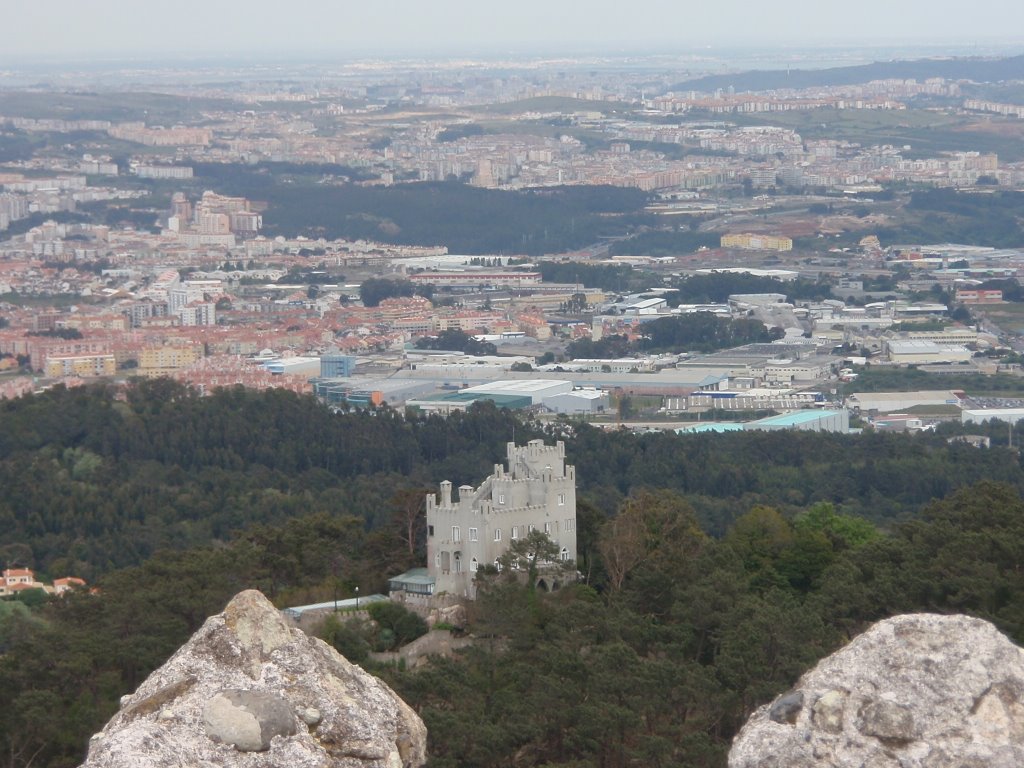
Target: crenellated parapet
468 527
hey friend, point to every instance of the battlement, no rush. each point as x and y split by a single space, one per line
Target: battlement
536 490
535 458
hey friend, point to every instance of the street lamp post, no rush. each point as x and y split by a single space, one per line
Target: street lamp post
334 573
357 598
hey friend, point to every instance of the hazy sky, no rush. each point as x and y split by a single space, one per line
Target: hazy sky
108 28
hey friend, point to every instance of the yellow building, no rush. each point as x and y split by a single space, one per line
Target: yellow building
83 366
156 361
752 242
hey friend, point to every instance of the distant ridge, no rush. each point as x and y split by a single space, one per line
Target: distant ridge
977 69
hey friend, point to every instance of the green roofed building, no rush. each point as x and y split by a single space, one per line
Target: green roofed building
460 401
415 581
811 420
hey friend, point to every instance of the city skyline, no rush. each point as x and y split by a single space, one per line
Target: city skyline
113 28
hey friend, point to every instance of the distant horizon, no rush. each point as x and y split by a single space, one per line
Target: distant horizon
797 55
121 30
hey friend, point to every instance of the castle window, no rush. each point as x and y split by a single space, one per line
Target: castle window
497 565
501 498
547 527
472 534
564 554
561 499
456 533
430 530
473 565
570 524
531 528
515 532
497 534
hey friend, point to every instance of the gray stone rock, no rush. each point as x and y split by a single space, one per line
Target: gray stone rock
310 716
828 711
786 709
248 720
249 691
887 721
915 691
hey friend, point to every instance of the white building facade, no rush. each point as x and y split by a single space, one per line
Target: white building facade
536 491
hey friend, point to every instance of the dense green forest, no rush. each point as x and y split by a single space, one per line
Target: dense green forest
666 243
718 286
617 278
455 340
94 482
949 216
716 568
692 289
698 332
890 379
531 222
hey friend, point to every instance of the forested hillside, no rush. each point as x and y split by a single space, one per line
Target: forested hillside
93 482
715 568
976 69
534 222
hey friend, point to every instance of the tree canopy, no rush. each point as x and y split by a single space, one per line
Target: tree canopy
716 568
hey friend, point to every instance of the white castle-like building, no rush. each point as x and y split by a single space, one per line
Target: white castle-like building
537 490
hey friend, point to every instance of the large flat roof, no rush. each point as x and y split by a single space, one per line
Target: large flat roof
584 394
993 413
524 386
500 400
921 394
708 426
794 418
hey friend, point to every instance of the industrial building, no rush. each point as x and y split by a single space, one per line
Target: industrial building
459 401
470 279
919 352
535 389
754 399
336 366
808 420
579 401
645 307
370 393
598 365
294 366
507 393
977 416
891 402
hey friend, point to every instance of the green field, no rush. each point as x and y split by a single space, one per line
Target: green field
927 132
153 108
1009 317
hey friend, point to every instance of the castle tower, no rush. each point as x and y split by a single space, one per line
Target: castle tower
536 489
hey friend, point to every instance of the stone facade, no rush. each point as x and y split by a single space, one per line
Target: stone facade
537 490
